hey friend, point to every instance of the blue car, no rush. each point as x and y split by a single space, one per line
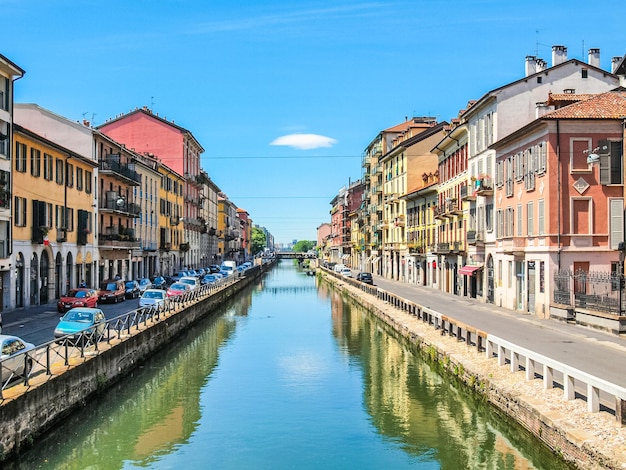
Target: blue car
209 279
80 322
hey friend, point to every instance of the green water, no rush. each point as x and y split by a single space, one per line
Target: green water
288 376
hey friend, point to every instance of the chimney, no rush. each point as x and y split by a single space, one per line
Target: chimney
594 57
541 65
531 65
559 55
615 63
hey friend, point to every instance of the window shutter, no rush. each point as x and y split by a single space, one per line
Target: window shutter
605 161
617 222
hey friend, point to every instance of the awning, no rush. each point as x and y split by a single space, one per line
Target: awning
375 260
470 270
345 256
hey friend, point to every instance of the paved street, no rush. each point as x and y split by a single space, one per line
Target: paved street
598 353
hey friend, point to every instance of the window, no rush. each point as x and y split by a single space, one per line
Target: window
59 170
581 216
616 208
530 208
539 79
69 172
519 220
88 182
20 211
529 163
541 158
79 178
509 176
509 221
610 162
489 217
519 159
540 217
35 162
579 149
584 73
20 157
47 167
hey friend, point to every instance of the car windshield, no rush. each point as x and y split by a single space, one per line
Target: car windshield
130 284
188 281
143 282
153 295
110 286
178 286
78 316
79 294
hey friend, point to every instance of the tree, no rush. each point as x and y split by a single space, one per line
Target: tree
258 240
303 246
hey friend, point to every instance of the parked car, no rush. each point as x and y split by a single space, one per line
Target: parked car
214 268
365 278
0 322
80 321
80 297
192 281
152 297
159 282
132 290
178 288
339 267
144 284
12 350
209 279
112 290
345 272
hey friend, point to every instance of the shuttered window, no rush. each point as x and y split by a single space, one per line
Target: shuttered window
616 222
610 162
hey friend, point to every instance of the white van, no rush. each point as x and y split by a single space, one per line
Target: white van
339 267
229 266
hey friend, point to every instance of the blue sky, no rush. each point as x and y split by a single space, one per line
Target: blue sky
245 77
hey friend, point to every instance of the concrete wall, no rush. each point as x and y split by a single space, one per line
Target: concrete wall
31 414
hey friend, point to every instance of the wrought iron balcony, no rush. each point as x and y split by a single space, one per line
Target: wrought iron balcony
111 165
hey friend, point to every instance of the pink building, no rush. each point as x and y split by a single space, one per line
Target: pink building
149 134
559 196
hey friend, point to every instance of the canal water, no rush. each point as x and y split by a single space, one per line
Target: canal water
288 375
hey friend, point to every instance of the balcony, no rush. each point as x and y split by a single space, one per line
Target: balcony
440 212
466 194
151 246
116 236
111 165
484 186
174 221
118 204
400 221
441 248
513 245
471 237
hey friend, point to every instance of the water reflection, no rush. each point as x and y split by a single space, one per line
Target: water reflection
424 413
290 374
148 414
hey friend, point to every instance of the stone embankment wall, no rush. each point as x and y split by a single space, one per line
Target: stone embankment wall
27 416
586 440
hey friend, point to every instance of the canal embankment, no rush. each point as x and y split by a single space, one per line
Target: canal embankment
590 440
27 411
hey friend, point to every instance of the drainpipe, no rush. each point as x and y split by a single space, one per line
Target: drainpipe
558 156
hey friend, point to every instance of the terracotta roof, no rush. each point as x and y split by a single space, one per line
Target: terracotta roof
563 99
609 105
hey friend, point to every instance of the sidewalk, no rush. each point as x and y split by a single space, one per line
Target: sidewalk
595 352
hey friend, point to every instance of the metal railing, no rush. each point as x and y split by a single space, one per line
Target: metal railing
22 371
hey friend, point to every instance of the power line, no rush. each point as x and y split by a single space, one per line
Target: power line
279 197
287 157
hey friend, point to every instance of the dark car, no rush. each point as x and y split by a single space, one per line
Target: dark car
132 290
214 268
366 278
159 282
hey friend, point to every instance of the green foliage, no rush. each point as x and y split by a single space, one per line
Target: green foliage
258 240
303 246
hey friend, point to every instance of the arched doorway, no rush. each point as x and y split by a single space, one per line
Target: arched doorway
490 281
34 279
69 261
80 277
19 280
58 269
44 274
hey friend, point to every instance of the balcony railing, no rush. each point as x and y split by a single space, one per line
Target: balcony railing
466 194
442 248
111 165
484 187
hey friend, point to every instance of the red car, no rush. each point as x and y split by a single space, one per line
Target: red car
81 297
178 288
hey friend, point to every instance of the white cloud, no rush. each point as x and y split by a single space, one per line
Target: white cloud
304 141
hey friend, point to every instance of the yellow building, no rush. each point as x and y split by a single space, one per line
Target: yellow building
172 247
53 222
228 229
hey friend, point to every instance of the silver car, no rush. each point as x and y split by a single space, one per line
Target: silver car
152 297
14 358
